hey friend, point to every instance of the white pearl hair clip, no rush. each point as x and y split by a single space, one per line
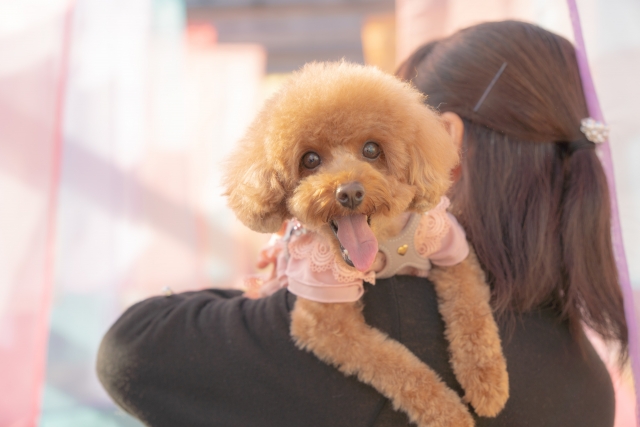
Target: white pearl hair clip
596 132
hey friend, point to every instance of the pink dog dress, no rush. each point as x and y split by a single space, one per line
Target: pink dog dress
309 268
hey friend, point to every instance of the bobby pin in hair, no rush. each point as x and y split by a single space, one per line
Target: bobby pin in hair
488 89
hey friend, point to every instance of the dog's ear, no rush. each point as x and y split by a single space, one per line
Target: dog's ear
254 185
432 159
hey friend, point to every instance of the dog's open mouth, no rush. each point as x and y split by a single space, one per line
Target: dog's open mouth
358 244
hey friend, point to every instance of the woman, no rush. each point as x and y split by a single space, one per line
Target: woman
533 199
531 193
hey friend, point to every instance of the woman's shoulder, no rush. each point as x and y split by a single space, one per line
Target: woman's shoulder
555 379
552 369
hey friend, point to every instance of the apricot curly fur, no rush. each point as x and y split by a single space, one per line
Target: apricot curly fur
338 335
333 109
474 342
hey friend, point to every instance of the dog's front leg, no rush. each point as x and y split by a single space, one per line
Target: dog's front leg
338 335
474 342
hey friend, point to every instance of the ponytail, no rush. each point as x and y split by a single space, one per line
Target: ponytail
591 282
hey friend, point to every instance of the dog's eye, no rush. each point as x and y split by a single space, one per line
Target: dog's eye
311 160
371 150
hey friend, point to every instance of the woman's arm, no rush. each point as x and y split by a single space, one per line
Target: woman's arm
214 358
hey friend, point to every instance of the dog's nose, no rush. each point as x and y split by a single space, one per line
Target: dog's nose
350 195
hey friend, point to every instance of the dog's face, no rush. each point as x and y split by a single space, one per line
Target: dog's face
344 149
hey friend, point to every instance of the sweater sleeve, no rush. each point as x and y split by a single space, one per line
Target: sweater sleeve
216 358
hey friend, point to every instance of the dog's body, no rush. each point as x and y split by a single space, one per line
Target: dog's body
351 153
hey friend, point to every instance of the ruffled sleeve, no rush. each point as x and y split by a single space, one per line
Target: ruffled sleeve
454 247
440 237
314 272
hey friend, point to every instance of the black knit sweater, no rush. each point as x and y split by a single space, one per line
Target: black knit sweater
214 358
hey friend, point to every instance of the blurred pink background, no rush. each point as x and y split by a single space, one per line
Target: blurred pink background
114 117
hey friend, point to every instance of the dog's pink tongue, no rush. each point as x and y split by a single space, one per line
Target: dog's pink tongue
357 238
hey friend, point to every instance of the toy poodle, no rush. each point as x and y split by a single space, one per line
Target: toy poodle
351 167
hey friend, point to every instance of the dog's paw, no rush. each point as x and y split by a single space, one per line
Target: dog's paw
430 403
446 411
488 391
459 417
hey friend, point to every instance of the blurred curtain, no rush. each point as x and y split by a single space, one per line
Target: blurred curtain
151 111
122 166
104 133
612 38
34 41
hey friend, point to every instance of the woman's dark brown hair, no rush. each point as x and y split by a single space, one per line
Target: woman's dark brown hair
532 194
